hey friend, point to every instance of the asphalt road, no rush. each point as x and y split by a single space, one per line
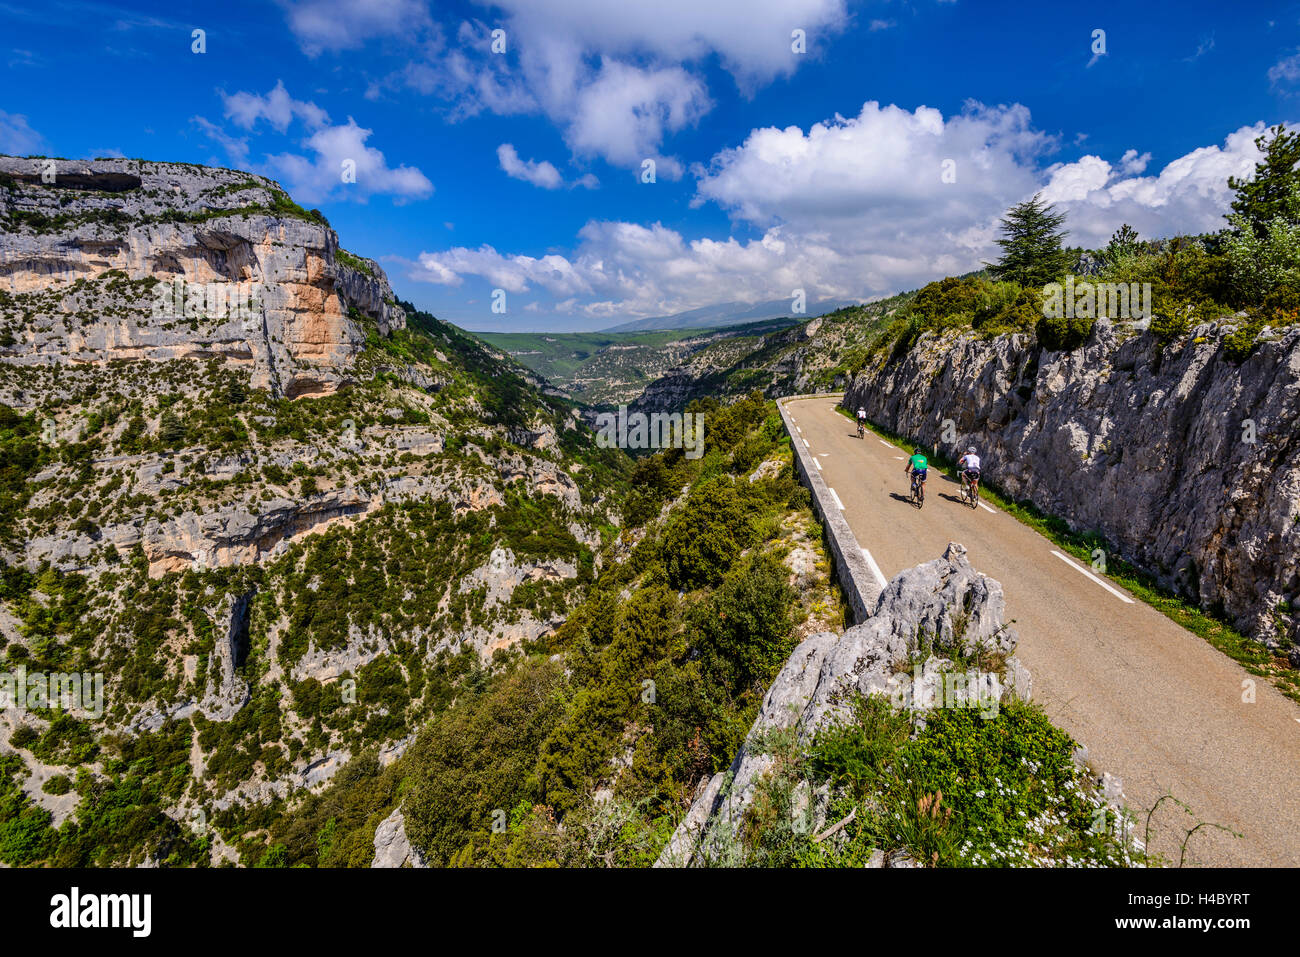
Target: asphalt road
1153 703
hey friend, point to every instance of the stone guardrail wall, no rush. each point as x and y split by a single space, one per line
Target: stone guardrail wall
860 586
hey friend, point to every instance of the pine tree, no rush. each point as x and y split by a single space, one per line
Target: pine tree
1267 195
171 430
1123 241
1032 254
1122 247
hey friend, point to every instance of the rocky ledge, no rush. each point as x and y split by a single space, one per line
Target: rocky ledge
927 614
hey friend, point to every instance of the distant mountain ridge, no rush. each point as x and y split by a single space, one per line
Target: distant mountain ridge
729 314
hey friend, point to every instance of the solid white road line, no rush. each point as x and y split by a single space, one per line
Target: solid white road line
1079 568
879 576
838 503
816 463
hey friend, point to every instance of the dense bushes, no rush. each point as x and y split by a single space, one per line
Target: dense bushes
705 538
744 627
641 690
965 791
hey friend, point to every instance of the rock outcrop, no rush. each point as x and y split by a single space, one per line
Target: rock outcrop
1186 462
172 221
392 847
926 614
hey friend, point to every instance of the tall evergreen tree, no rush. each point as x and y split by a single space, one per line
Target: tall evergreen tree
1032 254
1267 194
171 430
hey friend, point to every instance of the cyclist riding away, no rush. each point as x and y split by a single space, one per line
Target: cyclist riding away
916 467
970 469
862 422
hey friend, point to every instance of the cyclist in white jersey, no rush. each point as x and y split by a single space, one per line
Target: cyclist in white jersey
970 467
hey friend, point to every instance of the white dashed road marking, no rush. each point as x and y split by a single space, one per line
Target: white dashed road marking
805 444
1079 568
816 463
987 509
884 443
838 503
880 578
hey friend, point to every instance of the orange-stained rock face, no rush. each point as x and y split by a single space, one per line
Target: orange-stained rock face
302 339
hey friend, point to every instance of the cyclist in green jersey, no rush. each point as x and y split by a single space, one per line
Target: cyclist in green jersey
918 465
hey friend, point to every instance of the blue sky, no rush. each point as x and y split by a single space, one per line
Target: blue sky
877 160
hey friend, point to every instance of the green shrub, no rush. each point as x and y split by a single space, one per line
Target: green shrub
1061 333
705 538
745 628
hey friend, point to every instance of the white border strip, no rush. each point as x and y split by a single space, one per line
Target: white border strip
838 503
816 463
1079 568
880 577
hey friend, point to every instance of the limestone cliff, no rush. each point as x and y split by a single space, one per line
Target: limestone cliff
67 226
279 512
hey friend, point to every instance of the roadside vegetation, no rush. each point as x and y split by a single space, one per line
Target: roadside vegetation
955 790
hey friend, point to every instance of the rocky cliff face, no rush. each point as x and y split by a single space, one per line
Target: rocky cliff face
70 228
280 526
1188 463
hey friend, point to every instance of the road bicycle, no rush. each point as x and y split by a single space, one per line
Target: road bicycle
862 429
918 491
970 493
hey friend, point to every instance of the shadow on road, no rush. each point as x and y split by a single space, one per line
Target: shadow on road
905 499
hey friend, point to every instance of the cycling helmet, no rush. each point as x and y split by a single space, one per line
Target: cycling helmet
971 450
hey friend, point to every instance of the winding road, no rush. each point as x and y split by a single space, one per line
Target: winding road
1154 704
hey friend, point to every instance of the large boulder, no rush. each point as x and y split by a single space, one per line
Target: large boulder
930 613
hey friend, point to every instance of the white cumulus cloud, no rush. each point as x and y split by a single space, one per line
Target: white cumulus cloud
617 78
541 174
277 107
319 176
1189 195
322 25
338 163
858 207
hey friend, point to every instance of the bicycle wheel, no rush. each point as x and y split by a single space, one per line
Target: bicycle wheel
974 496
